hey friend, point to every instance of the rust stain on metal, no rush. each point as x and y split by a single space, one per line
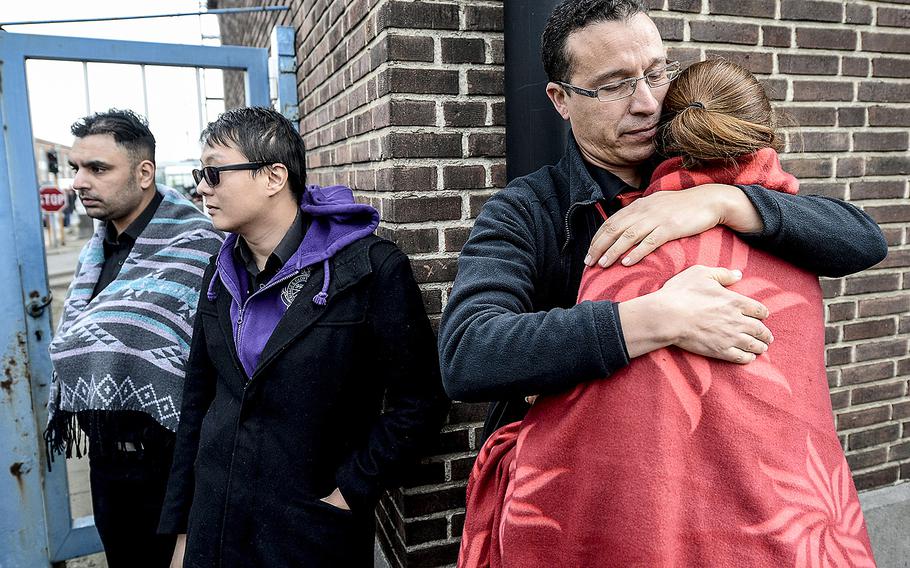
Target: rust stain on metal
17 470
34 294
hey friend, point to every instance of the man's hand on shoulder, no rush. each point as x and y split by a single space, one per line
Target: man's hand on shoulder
695 311
664 216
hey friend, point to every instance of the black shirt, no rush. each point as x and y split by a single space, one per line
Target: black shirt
117 248
289 244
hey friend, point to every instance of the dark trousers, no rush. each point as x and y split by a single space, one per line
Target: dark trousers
127 494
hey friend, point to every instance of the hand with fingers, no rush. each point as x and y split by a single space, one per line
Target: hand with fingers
707 318
649 222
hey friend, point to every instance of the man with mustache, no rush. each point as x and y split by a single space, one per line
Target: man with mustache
120 350
512 329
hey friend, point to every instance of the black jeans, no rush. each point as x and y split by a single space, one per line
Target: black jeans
127 494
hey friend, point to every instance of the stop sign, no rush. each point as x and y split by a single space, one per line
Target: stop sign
52 199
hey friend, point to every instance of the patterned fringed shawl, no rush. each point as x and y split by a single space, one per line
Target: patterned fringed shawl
126 349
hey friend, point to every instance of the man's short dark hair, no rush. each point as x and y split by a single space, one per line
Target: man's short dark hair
571 15
128 129
262 135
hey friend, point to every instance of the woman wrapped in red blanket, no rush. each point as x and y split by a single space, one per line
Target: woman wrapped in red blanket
681 460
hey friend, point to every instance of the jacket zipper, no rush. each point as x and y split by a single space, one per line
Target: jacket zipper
568 216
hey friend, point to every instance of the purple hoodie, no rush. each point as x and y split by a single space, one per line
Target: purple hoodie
335 222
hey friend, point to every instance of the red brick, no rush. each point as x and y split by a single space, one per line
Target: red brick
893 17
671 29
412 241
724 32
899 451
873 393
867 283
888 165
876 141
825 38
858 14
885 189
804 168
896 259
822 91
776 36
464 177
418 15
432 301
890 67
485 81
873 437
455 238
851 116
419 504
423 145
851 167
869 458
487 145
884 306
831 287
894 236
877 478
807 64
438 555
419 81
900 410
755 8
869 329
411 113
462 113
498 113
840 399
463 50
885 42
855 66
832 335
684 55
425 530
776 89
868 373
841 311
826 141
406 178
881 350
409 48
483 18
890 213
883 92
864 417
754 61
838 356
416 209
476 201
435 269
685 5
811 10
806 116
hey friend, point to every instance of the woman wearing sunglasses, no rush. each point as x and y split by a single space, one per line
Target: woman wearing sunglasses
307 324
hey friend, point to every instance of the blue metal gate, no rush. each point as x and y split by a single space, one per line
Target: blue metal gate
36 526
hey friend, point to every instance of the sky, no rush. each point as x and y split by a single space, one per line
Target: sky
57 89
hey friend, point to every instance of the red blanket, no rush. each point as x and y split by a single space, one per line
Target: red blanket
681 460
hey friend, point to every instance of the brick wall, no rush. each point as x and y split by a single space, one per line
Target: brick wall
402 100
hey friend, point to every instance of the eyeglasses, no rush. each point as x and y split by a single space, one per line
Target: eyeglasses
626 88
212 174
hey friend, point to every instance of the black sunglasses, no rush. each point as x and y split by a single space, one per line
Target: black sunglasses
212 174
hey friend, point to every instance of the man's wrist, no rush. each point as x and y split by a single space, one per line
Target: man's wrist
735 209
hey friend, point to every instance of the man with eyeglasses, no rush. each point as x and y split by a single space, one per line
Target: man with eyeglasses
313 375
512 329
121 347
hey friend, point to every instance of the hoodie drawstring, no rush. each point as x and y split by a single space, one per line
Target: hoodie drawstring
321 298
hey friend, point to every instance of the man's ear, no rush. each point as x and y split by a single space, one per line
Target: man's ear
277 178
558 97
145 173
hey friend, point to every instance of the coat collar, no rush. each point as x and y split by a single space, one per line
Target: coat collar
350 266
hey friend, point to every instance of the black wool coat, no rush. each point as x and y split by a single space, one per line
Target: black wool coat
254 455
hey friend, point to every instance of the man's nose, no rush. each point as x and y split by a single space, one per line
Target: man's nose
643 99
79 181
